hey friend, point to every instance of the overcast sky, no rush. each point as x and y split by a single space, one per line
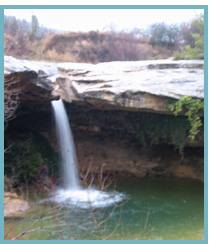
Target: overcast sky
86 20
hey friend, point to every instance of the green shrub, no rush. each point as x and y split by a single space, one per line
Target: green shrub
194 46
164 129
193 109
25 158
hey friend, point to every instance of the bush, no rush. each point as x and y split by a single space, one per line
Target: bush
164 129
25 158
194 48
193 109
164 35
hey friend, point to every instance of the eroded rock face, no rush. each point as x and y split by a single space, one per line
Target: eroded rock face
112 142
24 86
121 157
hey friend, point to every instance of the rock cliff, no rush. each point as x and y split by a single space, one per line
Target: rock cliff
119 111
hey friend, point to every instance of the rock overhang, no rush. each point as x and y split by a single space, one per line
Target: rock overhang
127 85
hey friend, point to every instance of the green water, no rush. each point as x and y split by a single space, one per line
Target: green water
154 209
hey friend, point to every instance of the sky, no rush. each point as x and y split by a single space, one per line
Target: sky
100 20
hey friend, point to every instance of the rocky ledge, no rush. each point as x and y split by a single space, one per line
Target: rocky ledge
135 85
25 86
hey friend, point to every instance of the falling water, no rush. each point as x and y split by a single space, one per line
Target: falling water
72 194
67 146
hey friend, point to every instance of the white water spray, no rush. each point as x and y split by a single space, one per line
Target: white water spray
72 193
67 146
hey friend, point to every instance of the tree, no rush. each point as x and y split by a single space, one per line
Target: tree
164 35
11 25
34 28
193 40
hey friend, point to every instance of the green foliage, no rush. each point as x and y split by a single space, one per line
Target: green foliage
26 157
160 129
164 35
194 48
193 109
34 27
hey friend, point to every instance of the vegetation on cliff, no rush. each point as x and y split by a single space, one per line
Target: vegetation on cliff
193 109
28 157
161 129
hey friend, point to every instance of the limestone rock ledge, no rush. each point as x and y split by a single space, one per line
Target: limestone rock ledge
137 86
133 85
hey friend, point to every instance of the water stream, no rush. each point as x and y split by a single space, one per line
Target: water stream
72 193
67 147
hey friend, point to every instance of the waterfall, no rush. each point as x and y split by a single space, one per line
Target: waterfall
72 194
66 146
